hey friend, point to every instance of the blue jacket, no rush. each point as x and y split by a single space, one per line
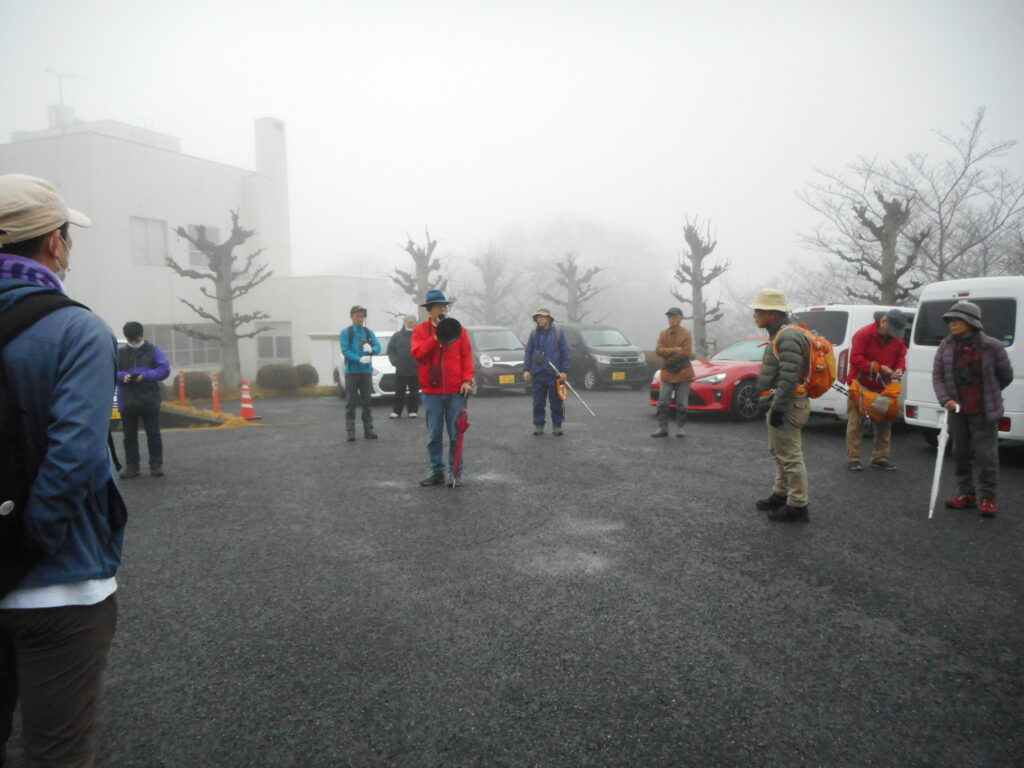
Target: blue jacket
61 377
352 340
555 347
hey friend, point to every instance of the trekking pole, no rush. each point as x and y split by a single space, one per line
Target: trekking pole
572 390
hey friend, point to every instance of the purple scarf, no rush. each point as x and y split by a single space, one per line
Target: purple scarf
20 268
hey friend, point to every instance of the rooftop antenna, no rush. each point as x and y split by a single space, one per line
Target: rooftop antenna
60 90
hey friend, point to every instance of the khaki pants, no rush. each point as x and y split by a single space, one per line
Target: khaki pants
786 448
855 434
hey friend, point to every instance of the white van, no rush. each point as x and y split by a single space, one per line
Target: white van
838 323
999 299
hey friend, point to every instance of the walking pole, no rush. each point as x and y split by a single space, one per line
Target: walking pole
572 390
943 439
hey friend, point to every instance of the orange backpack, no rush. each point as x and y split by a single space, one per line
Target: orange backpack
821 361
878 406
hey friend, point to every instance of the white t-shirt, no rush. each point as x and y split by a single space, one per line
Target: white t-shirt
88 592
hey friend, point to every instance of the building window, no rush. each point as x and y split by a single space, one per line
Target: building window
183 350
149 241
197 258
274 349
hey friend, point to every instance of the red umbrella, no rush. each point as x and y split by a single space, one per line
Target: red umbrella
461 425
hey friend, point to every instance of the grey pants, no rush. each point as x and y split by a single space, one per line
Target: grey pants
682 393
975 445
359 387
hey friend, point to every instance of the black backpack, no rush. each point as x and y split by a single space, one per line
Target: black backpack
17 555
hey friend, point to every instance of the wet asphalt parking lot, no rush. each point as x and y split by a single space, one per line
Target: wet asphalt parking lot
601 599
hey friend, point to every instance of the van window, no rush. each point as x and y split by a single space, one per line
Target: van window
830 323
999 316
604 337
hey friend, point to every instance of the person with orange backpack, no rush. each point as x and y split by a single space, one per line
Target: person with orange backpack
878 357
783 388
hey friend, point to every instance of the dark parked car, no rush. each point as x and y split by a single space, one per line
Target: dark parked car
497 356
602 356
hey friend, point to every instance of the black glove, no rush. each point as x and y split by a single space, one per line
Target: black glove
775 418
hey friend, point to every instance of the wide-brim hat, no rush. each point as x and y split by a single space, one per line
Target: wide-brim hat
897 321
771 299
30 207
543 312
967 311
435 297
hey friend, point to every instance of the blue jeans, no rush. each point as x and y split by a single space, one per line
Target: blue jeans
544 388
442 411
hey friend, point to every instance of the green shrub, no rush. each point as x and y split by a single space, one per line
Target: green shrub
283 378
198 386
308 377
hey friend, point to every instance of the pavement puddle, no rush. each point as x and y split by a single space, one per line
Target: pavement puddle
566 563
592 527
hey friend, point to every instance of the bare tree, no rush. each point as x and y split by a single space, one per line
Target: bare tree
229 284
867 230
968 204
579 287
416 283
692 271
489 301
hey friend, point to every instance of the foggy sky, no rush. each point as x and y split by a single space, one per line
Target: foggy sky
478 117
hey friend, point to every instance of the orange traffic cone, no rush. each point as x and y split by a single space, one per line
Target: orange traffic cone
248 411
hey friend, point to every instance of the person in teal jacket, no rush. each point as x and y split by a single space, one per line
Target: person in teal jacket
358 345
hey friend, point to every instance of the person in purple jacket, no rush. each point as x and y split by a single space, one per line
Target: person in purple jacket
140 366
969 374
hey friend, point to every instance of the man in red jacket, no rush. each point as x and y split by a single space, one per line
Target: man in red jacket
446 377
878 354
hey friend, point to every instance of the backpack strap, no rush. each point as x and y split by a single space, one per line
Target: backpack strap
29 310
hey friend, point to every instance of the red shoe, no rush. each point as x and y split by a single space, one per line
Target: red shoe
961 501
988 508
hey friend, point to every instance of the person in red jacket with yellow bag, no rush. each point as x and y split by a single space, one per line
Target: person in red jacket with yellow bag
446 377
878 354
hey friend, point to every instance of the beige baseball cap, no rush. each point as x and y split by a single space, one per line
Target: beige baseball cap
30 207
771 299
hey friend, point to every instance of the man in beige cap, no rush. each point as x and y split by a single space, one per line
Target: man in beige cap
779 382
61 514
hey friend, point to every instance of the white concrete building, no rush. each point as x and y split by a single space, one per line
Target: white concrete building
137 187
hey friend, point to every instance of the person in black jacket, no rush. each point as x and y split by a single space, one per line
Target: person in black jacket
140 366
406 370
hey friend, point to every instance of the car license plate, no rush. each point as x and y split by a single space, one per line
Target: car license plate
508 378
618 375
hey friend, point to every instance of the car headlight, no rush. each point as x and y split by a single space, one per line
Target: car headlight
486 361
603 359
715 378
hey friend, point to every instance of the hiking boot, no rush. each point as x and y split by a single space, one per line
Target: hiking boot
789 514
556 430
885 464
962 501
453 481
660 432
988 508
774 501
130 473
434 478
156 470
854 466
538 430
394 415
351 436
369 434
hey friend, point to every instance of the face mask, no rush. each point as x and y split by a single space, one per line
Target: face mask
62 271
136 344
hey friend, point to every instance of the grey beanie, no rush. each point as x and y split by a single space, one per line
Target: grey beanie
967 311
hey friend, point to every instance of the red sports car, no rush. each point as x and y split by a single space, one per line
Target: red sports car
726 382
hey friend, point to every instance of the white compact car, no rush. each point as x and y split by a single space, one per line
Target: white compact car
383 370
999 299
838 323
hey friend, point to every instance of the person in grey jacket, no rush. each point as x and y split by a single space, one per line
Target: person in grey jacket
969 374
406 371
